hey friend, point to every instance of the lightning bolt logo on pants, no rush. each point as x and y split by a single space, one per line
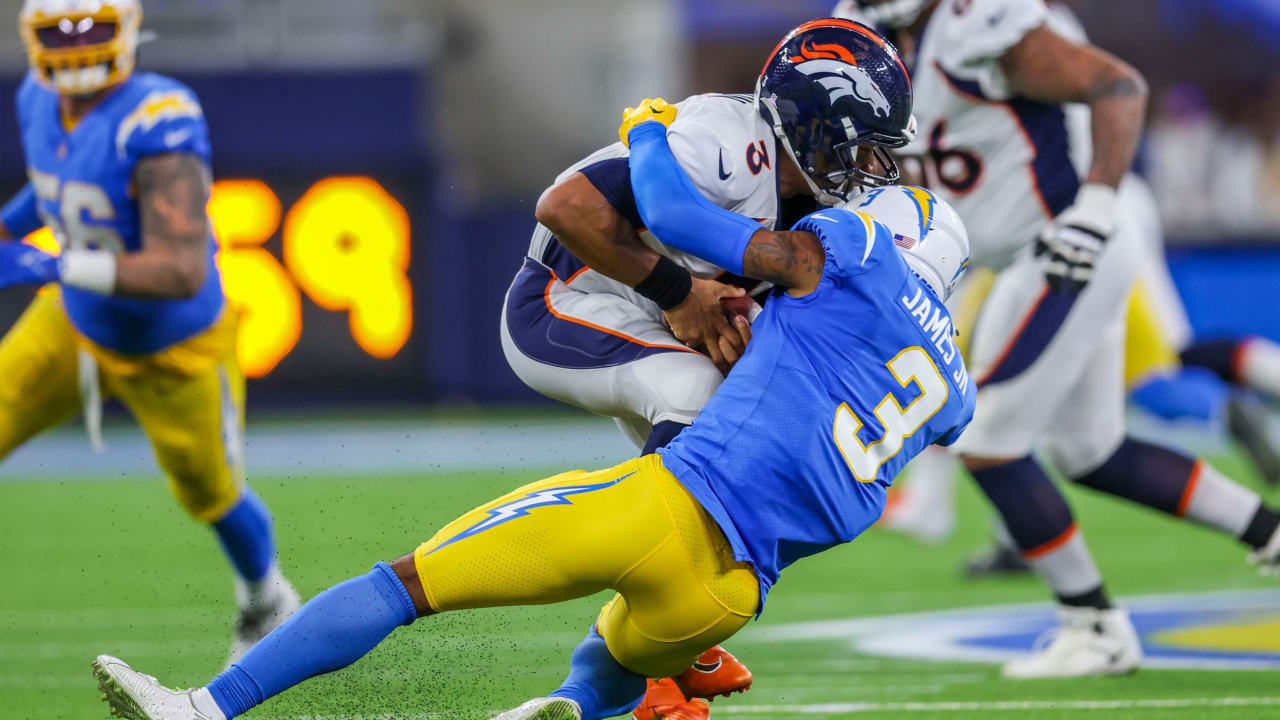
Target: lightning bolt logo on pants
521 507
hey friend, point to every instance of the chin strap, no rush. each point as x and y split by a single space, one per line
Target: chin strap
775 122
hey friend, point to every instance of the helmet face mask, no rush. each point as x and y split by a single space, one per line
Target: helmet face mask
79 47
837 97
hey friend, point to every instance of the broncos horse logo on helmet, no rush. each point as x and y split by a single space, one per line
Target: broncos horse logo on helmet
838 97
841 79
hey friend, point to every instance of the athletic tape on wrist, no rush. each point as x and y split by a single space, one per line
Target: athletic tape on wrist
92 270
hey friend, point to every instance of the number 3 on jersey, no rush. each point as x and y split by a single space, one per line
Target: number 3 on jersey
911 365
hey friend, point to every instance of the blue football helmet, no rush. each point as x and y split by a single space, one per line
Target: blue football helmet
838 97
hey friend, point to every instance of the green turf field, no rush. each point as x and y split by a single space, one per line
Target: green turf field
113 566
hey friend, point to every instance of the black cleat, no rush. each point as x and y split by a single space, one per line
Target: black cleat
1247 422
996 560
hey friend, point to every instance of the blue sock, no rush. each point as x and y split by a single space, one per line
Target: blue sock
333 630
599 684
247 537
661 434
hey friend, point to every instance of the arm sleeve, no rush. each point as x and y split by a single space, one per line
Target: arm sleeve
673 209
612 178
19 215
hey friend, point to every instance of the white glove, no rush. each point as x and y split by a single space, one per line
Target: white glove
1072 242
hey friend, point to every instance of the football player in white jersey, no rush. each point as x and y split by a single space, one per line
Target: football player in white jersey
996 90
603 316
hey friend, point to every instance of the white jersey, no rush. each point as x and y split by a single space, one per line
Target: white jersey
1005 163
727 149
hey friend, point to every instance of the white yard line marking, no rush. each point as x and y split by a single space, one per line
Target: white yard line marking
857 707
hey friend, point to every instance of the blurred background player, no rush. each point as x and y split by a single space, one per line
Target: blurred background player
991 78
133 308
604 316
683 535
1220 382
1166 373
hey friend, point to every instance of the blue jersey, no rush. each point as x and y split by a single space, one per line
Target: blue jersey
836 392
82 181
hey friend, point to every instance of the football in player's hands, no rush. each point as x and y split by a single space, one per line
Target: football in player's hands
741 307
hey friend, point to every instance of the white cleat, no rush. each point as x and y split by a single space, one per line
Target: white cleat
1089 642
548 708
135 696
264 606
1267 557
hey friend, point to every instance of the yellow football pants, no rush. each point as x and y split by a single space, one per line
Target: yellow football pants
189 399
633 528
1147 350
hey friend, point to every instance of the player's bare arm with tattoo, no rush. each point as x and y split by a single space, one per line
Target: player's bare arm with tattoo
791 259
1046 67
172 191
598 235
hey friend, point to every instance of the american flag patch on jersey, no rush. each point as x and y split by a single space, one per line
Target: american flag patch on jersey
904 242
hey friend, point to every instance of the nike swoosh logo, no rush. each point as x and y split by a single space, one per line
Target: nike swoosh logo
176 137
707 667
723 175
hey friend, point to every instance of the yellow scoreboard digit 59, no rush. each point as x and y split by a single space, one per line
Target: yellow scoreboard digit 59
345 244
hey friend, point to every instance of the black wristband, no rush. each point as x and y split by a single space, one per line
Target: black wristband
668 284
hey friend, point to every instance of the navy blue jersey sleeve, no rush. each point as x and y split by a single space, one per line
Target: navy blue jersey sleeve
854 242
19 215
612 178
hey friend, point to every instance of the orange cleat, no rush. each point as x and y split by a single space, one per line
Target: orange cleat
716 672
664 701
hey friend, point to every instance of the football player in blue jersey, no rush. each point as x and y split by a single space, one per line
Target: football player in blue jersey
850 372
119 169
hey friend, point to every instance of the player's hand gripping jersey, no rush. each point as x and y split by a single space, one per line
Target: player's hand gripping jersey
838 389
82 189
1007 164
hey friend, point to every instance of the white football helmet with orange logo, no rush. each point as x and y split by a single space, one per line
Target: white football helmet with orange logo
78 47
